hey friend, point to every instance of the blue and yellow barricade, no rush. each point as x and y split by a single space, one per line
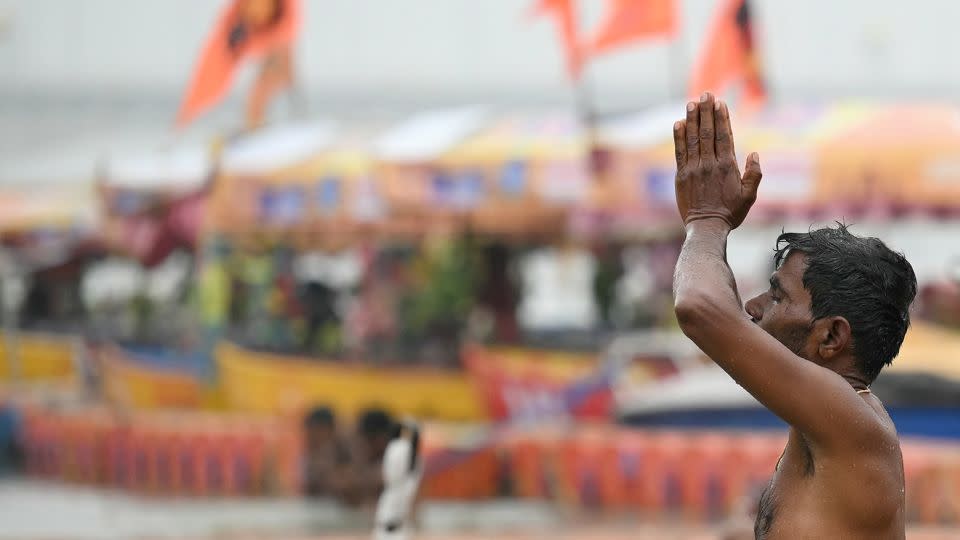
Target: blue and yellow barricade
133 384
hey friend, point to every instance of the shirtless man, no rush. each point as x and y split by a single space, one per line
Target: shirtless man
807 349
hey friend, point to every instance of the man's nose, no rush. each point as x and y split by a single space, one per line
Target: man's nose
754 308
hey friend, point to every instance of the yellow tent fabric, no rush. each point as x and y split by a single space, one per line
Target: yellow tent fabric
929 348
58 210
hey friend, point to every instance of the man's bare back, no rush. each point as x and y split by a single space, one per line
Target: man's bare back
802 497
808 348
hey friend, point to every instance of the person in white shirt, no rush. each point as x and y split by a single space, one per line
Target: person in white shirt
402 472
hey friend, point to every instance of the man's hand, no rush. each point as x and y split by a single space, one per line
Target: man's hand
708 180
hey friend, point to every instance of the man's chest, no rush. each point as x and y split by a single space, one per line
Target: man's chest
810 494
790 495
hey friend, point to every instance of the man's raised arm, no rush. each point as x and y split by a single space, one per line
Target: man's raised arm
713 198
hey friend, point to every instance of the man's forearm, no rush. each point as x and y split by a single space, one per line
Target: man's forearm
702 269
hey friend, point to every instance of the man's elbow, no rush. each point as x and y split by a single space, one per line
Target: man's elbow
692 311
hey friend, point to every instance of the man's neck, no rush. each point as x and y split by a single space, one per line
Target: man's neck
857 381
850 373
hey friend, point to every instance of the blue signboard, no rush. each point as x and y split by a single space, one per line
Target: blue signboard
283 205
513 178
329 194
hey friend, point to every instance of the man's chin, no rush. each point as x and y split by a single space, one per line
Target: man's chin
792 341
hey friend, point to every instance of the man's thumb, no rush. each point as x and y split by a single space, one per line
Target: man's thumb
752 174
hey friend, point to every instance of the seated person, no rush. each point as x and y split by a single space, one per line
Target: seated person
326 453
360 481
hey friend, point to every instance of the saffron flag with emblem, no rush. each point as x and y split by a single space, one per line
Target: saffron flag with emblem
246 29
729 56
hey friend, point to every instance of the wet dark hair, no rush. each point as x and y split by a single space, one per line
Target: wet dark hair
375 422
861 280
320 417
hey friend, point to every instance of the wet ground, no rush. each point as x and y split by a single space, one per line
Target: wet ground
34 510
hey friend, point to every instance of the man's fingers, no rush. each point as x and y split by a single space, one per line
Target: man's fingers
692 131
725 148
707 128
752 175
680 143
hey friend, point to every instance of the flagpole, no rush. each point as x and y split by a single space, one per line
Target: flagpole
583 101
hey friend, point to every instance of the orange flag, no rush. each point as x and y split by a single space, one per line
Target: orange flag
729 56
632 20
565 17
246 29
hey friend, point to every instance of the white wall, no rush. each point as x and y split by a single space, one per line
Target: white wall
421 50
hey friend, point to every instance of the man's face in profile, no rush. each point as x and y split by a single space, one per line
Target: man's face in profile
784 309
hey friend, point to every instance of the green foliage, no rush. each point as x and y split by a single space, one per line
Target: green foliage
445 279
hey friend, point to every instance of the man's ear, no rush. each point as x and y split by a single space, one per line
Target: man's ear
834 334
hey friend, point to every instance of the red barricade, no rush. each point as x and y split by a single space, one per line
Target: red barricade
530 464
153 453
748 466
922 485
625 471
701 475
576 461
461 468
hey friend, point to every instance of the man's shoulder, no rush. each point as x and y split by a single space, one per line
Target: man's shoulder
878 431
868 430
866 474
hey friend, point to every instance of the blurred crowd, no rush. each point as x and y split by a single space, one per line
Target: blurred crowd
411 302
416 303
400 303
